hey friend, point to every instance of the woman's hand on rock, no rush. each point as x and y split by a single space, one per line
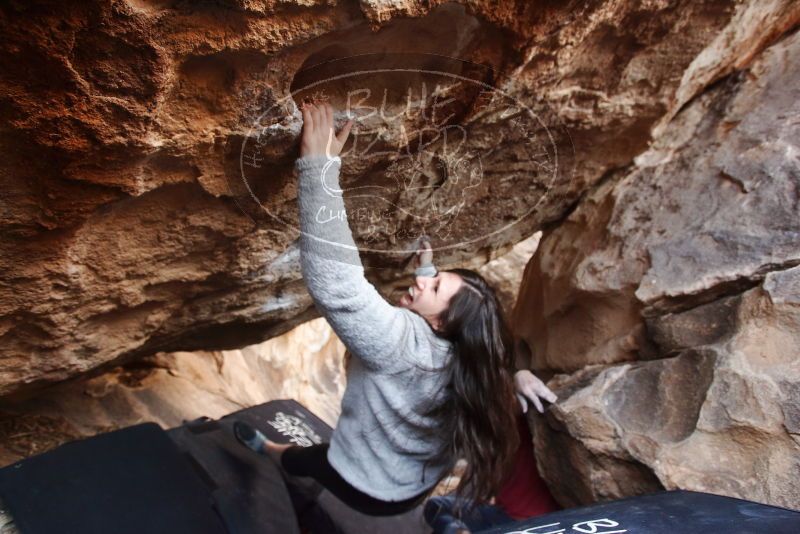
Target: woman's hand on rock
318 138
529 387
424 253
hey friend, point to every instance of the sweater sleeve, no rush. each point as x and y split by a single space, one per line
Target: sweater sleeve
371 328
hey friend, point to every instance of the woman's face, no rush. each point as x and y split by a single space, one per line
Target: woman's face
430 296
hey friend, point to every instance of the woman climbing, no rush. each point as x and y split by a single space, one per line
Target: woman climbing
430 380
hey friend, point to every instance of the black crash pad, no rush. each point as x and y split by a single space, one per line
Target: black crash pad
669 512
286 421
248 489
132 480
193 479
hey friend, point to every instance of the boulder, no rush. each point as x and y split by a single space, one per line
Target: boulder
721 416
668 302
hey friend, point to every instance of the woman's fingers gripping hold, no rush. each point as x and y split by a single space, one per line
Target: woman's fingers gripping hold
316 116
318 136
344 132
522 402
531 393
533 389
308 121
540 390
328 110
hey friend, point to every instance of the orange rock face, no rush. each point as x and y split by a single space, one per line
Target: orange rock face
128 226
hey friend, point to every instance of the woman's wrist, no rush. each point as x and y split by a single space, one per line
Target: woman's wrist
319 156
428 270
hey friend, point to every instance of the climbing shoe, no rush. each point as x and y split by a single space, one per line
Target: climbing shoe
249 436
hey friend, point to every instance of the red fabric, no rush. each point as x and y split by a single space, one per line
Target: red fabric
525 494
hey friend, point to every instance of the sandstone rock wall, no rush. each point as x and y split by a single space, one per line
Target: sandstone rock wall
126 229
668 299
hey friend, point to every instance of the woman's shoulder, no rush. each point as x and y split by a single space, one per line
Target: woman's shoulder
426 344
423 330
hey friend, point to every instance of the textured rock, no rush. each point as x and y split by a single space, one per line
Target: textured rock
504 273
719 417
710 208
304 364
687 261
124 124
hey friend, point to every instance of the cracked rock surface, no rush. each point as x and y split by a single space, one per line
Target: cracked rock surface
128 126
667 302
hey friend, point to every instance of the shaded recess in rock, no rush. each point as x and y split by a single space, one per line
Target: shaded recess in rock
703 325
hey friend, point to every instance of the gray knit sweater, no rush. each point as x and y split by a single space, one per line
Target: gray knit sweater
382 444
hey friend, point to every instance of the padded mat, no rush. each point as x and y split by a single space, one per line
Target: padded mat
669 512
286 421
133 480
248 488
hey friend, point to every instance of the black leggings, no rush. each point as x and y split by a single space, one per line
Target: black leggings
313 462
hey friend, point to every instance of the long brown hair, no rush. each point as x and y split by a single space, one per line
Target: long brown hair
478 415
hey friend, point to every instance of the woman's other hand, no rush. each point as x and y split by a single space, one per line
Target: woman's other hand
529 386
318 138
424 253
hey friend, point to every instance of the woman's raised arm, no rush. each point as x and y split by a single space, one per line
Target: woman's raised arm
366 323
